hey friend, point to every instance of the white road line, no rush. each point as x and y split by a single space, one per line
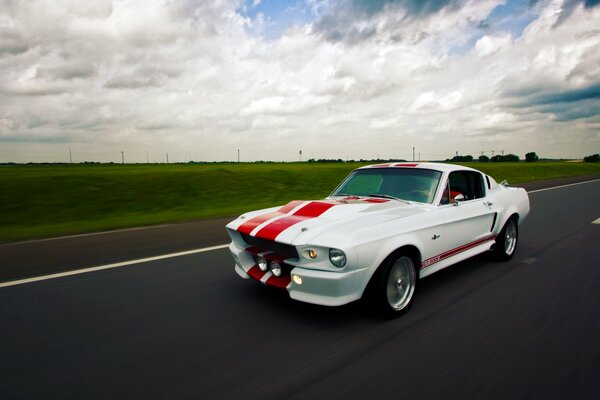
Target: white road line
109 266
562 186
139 228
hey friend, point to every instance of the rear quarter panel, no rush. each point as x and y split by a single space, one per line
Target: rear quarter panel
509 201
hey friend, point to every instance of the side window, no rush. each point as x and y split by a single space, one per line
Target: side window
467 183
478 185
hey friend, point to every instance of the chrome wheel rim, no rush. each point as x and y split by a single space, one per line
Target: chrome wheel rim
510 238
401 283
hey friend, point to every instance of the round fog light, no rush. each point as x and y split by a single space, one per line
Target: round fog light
276 269
297 279
312 253
262 263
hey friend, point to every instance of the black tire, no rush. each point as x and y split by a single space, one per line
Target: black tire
392 289
507 240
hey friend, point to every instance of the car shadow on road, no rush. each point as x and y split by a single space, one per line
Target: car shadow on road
435 293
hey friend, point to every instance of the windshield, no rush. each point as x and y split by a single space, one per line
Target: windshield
403 183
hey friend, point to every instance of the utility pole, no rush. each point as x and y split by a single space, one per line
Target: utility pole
502 152
492 153
70 156
413 153
419 157
167 158
147 160
122 157
300 155
238 155
457 154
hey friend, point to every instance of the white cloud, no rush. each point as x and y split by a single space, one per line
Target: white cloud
102 76
490 44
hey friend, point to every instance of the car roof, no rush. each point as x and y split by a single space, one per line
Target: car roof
442 167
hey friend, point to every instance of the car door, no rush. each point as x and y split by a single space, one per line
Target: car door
470 220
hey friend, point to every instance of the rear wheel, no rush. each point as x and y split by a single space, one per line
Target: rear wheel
394 286
506 242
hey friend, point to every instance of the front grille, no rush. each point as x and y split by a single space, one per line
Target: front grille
270 245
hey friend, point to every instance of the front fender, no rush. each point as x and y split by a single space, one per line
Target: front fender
371 256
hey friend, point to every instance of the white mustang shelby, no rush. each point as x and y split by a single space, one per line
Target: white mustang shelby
384 227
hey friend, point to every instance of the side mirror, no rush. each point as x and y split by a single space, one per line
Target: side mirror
458 198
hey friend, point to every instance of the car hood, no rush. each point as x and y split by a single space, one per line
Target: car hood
300 222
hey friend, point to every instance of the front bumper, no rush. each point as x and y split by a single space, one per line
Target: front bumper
327 288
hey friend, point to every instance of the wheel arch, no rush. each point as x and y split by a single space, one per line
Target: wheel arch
508 215
409 249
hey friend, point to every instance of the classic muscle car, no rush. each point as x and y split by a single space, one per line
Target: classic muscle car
384 227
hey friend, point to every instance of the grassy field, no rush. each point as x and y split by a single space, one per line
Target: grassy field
41 201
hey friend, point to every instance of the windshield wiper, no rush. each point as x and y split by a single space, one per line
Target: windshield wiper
386 196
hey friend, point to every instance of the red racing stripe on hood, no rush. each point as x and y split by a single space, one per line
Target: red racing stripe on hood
309 211
252 223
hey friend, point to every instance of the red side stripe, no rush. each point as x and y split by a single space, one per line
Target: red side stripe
465 247
309 211
252 223
450 253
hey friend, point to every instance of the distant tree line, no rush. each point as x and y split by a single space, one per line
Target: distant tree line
592 158
326 160
484 158
467 158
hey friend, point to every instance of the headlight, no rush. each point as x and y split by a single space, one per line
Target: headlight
337 257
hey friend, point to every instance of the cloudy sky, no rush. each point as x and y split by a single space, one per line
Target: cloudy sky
200 79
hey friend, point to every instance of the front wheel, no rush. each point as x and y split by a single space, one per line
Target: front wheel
394 287
506 242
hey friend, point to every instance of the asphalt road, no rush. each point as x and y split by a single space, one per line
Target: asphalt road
188 327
